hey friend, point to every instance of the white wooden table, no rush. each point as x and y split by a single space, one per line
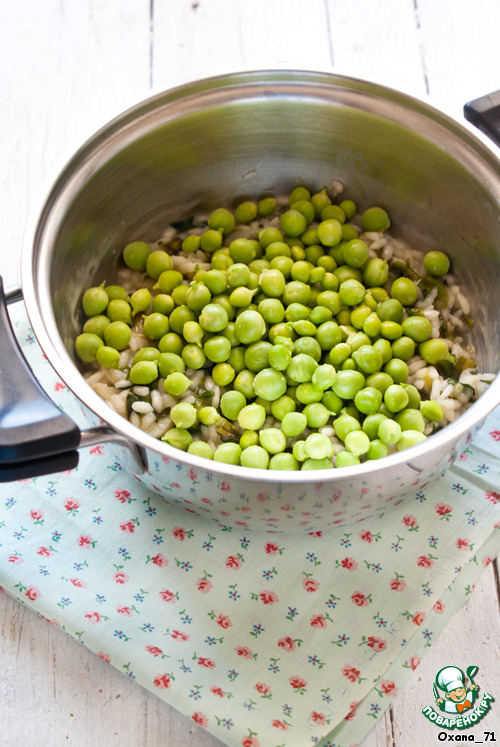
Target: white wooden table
68 66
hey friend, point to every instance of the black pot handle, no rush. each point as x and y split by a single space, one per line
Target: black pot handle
36 437
484 113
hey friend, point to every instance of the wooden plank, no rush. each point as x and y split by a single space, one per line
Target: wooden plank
65 69
378 42
459 43
196 39
43 671
471 638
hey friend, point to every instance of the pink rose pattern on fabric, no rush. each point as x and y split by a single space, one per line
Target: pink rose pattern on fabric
251 634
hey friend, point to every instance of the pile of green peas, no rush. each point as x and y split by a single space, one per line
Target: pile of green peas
299 322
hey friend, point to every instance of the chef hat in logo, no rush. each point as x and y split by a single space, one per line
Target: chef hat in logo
449 678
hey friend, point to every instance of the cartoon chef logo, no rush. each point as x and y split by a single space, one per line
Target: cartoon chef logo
459 693
454 696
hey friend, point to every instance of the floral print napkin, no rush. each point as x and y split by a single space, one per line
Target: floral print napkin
264 639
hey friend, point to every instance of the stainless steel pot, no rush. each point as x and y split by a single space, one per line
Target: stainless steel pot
215 142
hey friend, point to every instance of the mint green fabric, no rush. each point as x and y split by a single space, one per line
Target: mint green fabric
264 639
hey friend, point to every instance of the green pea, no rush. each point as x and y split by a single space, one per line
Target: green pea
266 206
293 424
191 243
255 457
244 383
271 310
368 400
418 328
249 326
220 261
221 220
193 356
318 446
231 404
339 354
119 311
96 325
405 291
170 362
223 374
208 415
395 398
301 368
211 240
324 376
117 335
355 253
389 432
372 325
397 369
319 315
116 292
293 223
215 281
146 354
95 301
377 450
155 325
431 410
108 357
140 301
217 349
404 348
410 420
315 464
410 438
320 200
330 232
349 208
390 310
163 304
228 453
135 255
179 438
201 449
351 292
242 250
368 359
391 330
375 272
183 415
433 350
213 318
158 262
346 459
237 358
317 414
283 264
257 356
246 212
331 300
375 219
283 461
371 424
348 383
249 438
273 440
357 442
333 211
176 383
168 280
307 393
344 424
281 406
143 372
436 263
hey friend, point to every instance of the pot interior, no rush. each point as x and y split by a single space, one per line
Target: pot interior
243 136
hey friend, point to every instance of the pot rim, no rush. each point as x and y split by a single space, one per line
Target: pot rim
79 167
